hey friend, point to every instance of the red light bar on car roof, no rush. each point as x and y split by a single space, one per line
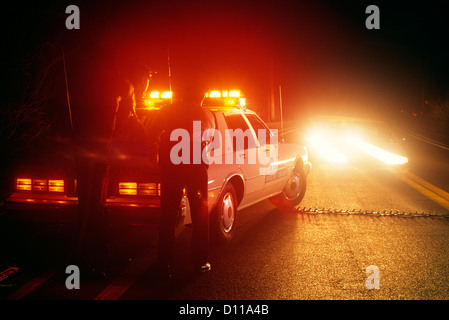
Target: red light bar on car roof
224 99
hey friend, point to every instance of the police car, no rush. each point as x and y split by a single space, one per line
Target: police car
248 164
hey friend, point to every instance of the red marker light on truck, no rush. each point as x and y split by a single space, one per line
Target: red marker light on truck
127 188
23 184
141 189
56 185
40 185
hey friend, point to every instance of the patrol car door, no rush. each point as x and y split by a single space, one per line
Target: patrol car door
245 155
274 176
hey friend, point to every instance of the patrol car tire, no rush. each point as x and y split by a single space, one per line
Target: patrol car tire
222 222
294 190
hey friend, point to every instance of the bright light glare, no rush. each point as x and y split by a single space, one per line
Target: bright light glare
320 144
223 94
215 94
230 102
376 152
234 93
154 95
166 95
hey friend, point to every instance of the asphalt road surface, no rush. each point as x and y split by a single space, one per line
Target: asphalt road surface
350 219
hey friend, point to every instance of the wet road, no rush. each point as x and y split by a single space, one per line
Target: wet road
275 255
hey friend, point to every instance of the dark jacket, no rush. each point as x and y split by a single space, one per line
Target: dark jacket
179 115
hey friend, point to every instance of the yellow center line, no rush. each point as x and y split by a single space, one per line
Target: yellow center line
427 189
427 185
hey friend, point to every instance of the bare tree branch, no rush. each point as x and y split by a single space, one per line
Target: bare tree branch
26 120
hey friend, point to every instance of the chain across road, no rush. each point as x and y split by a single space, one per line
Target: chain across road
316 210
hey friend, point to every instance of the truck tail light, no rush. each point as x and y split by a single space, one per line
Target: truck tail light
56 185
23 184
149 189
39 185
127 188
141 189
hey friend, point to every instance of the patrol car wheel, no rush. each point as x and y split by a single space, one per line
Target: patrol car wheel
223 216
294 190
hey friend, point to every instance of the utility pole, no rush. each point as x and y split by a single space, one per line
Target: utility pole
169 73
67 89
280 107
272 104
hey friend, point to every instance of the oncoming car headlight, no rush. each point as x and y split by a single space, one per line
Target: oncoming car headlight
376 152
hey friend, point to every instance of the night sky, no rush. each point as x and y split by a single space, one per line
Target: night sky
320 52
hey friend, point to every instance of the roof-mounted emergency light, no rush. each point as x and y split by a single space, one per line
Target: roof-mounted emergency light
156 99
224 99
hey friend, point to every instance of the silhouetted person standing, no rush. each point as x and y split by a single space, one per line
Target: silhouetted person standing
97 88
175 177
